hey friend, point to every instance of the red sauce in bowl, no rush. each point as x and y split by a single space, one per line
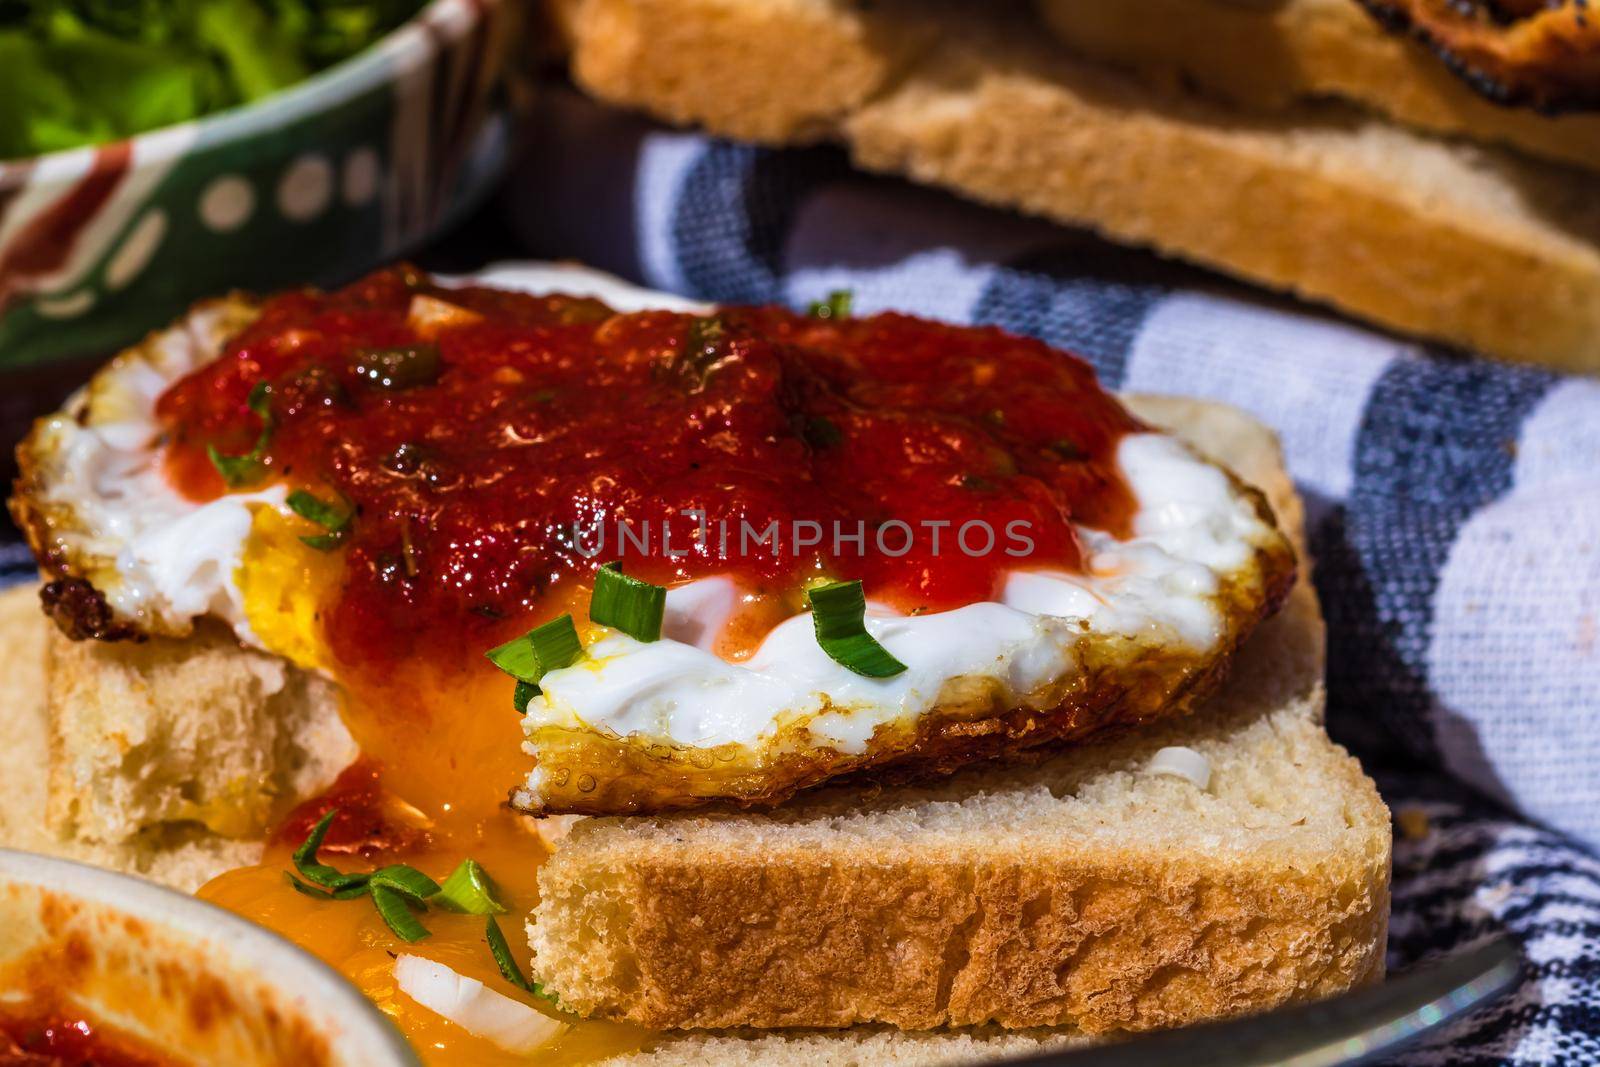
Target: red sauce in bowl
61 1040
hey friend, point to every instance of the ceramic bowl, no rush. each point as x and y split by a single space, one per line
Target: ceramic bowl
193 982
315 184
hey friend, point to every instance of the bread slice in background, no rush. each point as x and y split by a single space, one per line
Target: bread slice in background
1082 893
1471 245
1273 55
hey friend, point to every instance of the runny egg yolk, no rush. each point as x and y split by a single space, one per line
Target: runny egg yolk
447 742
351 937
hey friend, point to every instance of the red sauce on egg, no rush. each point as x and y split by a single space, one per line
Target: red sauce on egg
532 416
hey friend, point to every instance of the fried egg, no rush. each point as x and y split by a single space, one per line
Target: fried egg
1146 629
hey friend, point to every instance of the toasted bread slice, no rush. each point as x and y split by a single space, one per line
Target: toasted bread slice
1465 244
1083 893
1267 57
183 855
195 730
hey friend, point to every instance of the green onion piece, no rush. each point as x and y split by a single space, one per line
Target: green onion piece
305 859
837 306
501 950
309 506
349 892
395 912
401 367
627 604
324 542
332 517
406 880
821 432
525 692
839 612
259 400
239 471
703 349
538 652
468 889
705 334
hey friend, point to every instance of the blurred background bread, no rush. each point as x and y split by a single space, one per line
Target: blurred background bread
1462 222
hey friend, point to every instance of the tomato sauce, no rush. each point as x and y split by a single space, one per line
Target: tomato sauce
474 436
55 1039
548 413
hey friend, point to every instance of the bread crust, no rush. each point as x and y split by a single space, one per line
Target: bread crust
1119 943
1458 243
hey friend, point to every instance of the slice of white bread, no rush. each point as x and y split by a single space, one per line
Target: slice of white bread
1471 245
1271 55
167 758
183 856
194 731
1083 893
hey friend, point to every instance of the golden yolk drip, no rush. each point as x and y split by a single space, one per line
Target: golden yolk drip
351 937
448 742
284 583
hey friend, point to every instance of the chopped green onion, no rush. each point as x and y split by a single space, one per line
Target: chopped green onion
259 400
839 612
405 880
239 471
309 506
390 887
468 889
977 483
837 306
305 859
525 692
501 950
331 517
821 432
536 653
401 367
705 334
627 604
349 892
702 348
394 910
324 542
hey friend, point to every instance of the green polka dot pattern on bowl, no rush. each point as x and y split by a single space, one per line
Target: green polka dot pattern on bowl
317 184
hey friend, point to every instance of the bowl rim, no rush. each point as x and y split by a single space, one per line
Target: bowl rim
365 1034
390 58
